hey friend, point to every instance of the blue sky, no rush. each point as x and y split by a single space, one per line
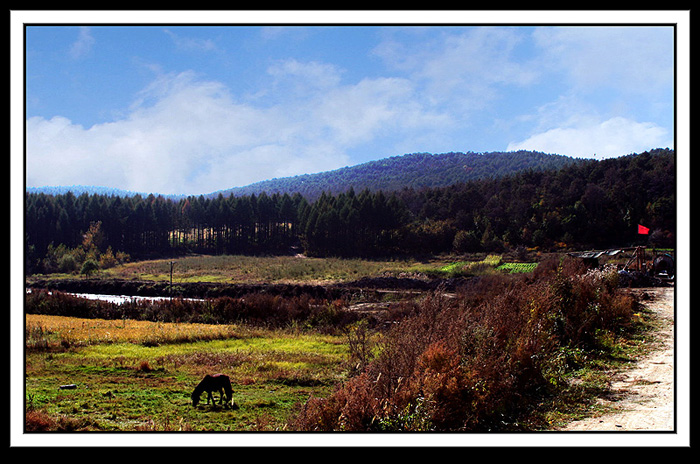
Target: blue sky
195 109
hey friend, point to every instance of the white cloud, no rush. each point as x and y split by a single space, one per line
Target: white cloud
358 113
630 59
188 135
465 70
613 137
312 74
610 79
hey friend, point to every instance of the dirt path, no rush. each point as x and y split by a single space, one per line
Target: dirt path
642 397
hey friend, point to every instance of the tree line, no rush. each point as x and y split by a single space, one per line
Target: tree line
593 204
597 204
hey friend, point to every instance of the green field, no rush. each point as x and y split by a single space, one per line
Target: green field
486 265
300 269
123 383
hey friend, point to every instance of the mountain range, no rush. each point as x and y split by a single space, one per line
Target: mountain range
415 171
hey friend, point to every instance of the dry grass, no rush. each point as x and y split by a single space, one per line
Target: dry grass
45 332
252 269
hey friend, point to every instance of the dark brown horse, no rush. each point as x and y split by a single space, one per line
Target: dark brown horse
213 383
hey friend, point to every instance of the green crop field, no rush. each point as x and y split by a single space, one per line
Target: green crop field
488 264
517 267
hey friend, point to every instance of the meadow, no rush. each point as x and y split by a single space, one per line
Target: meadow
128 375
252 269
507 343
302 269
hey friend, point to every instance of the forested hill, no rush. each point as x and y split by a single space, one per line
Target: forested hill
588 205
417 170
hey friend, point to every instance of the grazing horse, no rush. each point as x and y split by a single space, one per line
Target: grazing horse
213 383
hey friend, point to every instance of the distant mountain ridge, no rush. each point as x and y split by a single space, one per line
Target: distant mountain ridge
416 170
78 190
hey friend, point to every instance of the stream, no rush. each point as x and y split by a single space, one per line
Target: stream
119 299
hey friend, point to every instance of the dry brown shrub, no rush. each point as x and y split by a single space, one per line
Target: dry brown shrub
38 420
480 361
352 408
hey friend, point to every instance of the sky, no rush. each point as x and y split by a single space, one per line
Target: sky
192 109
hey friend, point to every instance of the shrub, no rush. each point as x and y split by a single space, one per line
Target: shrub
360 344
89 266
481 361
37 420
255 309
352 408
67 263
445 386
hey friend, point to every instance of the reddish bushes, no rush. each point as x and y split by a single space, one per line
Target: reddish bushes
257 309
37 420
480 361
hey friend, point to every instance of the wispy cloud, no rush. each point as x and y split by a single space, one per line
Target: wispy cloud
613 82
632 60
199 139
466 70
83 45
191 43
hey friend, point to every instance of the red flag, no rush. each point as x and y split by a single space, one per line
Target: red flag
642 230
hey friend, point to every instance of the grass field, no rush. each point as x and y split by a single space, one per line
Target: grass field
298 269
124 381
485 265
138 375
250 269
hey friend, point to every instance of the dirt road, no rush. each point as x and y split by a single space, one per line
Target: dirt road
643 397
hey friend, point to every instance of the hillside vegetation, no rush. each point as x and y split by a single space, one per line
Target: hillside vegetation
587 204
417 171
498 357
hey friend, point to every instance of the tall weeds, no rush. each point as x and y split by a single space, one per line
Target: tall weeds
482 361
256 309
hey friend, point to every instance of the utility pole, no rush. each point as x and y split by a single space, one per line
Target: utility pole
172 263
